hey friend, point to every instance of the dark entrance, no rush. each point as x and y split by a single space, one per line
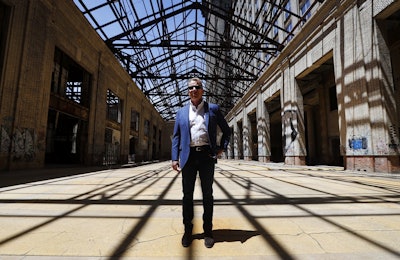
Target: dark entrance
321 116
66 138
274 109
253 136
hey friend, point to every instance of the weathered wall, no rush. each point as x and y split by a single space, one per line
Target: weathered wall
36 28
346 32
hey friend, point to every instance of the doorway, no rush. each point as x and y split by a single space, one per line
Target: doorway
274 110
253 136
321 116
65 139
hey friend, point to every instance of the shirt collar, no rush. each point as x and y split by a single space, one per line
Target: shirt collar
200 106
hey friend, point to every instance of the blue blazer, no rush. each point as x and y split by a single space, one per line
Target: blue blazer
181 137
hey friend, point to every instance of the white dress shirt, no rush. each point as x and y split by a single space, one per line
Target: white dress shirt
198 129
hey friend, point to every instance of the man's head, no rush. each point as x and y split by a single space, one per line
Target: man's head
196 90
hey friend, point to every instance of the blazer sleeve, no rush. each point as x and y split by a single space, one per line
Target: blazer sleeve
226 131
223 125
176 140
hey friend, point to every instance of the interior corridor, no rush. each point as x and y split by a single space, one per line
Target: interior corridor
262 211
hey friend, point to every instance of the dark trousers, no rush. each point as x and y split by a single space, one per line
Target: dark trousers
202 163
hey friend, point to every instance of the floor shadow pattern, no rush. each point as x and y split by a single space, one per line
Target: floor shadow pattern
245 180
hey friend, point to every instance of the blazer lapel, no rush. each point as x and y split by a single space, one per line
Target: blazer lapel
186 120
206 113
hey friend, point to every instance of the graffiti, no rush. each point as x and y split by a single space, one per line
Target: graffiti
294 133
381 147
290 122
393 134
22 144
5 142
393 138
358 143
386 148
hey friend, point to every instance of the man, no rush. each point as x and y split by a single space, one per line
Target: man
194 150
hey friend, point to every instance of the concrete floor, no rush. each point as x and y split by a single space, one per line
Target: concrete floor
262 211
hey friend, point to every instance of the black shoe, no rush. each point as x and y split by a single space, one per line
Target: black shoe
186 239
209 241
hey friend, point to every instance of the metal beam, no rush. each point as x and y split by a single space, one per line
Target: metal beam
188 77
198 45
154 21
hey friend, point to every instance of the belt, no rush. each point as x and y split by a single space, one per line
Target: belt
204 148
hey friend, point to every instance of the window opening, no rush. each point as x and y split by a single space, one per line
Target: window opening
135 120
146 128
69 80
304 6
114 107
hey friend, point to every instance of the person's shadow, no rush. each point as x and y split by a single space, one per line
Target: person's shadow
229 235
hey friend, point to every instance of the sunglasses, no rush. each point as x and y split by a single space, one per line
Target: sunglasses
194 87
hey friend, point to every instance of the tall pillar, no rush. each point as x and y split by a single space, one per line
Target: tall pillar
236 140
247 143
293 119
263 130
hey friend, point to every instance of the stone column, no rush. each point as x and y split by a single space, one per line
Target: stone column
292 119
236 139
263 130
247 144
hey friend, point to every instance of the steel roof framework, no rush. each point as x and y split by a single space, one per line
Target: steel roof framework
162 43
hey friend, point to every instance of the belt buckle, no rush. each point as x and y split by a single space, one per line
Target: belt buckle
198 149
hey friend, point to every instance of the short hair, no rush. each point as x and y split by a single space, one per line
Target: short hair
197 80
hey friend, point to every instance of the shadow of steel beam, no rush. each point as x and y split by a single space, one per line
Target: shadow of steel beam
82 203
279 249
289 201
125 244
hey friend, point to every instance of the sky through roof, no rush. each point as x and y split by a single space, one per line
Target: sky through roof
162 43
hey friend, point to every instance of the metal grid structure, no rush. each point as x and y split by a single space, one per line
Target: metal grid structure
162 43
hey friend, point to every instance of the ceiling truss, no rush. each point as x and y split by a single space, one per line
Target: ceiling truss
162 43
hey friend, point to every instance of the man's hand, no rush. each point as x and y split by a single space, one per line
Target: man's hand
175 166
